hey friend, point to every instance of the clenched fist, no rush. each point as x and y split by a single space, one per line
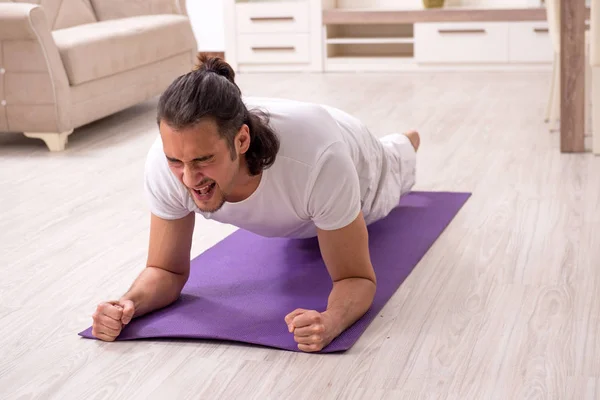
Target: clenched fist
110 318
312 330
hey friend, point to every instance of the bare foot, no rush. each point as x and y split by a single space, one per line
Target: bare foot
414 138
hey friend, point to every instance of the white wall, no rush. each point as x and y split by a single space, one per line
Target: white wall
207 22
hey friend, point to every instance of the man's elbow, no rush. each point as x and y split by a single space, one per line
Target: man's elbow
365 273
370 275
372 279
367 281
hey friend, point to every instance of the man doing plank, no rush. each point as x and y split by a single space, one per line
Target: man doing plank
278 168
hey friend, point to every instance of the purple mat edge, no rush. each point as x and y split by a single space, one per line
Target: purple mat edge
338 344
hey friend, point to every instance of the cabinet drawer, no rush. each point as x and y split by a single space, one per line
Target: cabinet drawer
469 42
530 42
272 17
265 48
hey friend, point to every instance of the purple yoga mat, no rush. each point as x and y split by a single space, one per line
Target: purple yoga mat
241 289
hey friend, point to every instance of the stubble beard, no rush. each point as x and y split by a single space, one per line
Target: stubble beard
217 207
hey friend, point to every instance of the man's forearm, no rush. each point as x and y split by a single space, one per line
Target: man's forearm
349 300
154 288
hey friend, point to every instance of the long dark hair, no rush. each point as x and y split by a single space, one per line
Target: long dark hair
210 91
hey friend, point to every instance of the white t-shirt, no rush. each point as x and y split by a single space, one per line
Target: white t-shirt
329 168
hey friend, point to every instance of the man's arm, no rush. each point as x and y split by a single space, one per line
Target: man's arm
334 205
168 265
346 255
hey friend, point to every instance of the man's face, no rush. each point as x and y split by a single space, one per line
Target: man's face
203 162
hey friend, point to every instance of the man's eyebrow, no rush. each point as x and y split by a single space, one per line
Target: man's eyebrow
197 159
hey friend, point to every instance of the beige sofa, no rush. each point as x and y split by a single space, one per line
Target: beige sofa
65 63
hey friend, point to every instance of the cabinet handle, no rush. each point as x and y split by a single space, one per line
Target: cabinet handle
540 30
288 48
270 19
461 30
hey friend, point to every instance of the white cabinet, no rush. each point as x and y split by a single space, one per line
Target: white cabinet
272 35
483 43
529 42
272 17
285 48
469 42
289 35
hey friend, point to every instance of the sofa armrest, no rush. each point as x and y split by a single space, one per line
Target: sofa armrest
34 93
115 9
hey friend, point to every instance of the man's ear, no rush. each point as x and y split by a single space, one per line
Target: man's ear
242 139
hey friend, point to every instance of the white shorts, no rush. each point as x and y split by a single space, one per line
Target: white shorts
398 175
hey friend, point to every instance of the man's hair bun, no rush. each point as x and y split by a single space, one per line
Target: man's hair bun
214 64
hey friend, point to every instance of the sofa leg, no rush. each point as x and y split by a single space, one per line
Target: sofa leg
54 141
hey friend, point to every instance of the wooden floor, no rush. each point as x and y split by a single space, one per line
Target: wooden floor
505 305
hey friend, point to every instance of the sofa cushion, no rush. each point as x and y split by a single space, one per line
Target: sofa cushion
62 14
105 48
115 9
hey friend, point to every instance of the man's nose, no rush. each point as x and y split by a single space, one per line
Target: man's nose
191 176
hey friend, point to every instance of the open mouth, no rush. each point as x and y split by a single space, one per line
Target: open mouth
205 192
